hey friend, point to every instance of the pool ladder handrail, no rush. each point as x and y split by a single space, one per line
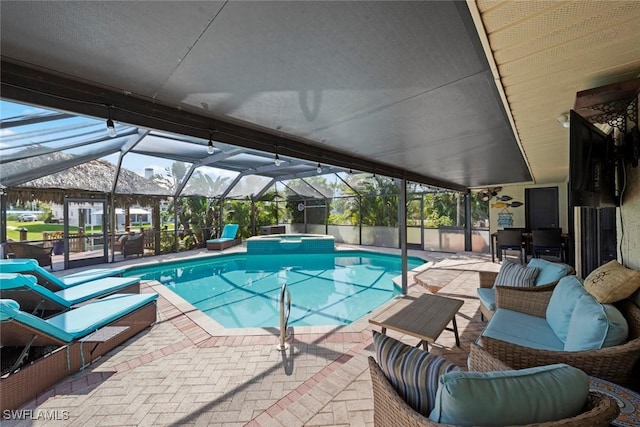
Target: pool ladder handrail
284 319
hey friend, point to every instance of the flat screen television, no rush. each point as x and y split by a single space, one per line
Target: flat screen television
592 165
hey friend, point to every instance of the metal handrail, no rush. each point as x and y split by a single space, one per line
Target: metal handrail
284 319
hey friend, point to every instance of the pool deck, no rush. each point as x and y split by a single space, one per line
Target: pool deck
187 370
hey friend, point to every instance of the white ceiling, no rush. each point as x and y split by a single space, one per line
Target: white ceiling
407 84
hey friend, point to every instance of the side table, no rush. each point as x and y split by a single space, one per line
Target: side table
628 401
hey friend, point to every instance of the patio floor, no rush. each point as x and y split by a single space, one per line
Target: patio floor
187 370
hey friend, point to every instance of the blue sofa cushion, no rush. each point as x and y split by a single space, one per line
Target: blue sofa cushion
512 274
508 325
563 300
519 397
413 372
550 272
594 325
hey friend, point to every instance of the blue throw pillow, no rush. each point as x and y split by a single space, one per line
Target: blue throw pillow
563 300
413 372
512 274
594 326
550 272
519 397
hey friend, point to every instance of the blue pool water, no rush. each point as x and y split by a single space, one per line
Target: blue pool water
240 290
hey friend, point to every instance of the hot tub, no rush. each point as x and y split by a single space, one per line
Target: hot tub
290 243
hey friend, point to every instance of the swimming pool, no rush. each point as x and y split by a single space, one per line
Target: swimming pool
242 291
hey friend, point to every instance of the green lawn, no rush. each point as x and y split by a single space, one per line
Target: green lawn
34 229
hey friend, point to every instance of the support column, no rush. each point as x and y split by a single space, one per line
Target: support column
468 223
403 235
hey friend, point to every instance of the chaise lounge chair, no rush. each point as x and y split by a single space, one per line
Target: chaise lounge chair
52 282
40 301
226 239
67 342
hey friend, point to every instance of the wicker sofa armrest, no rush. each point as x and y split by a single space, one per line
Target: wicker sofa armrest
487 278
613 364
532 301
482 361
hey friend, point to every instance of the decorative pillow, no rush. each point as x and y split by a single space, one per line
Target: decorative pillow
525 396
612 282
550 272
563 301
413 372
594 325
512 274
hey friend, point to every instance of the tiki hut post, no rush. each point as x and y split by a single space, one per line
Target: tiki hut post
156 225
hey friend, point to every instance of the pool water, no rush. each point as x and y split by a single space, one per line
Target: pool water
240 291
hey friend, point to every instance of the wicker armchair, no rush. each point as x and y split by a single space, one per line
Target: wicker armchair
390 410
25 250
614 364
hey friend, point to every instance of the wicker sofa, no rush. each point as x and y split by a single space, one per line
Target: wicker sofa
613 363
391 410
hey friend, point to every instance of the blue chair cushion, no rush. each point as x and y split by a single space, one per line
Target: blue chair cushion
487 297
229 231
28 283
30 266
512 274
413 372
522 329
594 326
519 397
563 300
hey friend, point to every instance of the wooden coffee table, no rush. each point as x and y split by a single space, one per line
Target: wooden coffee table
423 317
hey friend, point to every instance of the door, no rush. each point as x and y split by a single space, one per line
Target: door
85 232
541 208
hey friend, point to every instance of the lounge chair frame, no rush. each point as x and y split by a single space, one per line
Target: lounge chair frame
25 384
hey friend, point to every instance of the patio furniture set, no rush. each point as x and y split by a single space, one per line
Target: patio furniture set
546 329
53 327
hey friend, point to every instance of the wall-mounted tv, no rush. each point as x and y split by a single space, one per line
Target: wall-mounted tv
592 165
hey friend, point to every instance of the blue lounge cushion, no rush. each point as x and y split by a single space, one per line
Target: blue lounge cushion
487 297
26 283
30 266
88 318
219 240
563 300
507 325
550 272
86 291
10 303
518 397
413 372
9 312
512 274
594 325
229 231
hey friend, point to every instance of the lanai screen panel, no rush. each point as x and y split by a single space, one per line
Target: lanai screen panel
248 186
140 174
209 182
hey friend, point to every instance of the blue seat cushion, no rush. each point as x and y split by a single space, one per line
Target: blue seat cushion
90 275
487 297
26 283
220 240
522 329
517 397
10 311
83 320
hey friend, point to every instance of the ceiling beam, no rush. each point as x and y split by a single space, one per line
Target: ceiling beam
38 87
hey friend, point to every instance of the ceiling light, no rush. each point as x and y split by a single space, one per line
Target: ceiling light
319 168
111 128
210 146
276 160
563 120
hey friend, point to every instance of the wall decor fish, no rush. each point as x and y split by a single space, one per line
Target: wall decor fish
515 204
499 205
504 198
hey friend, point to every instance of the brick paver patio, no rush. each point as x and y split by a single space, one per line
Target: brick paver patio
186 370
